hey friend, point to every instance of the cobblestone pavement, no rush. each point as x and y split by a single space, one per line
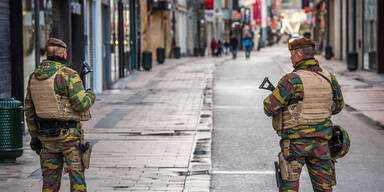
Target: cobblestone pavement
152 132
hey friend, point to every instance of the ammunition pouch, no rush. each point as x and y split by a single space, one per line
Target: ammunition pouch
289 170
277 123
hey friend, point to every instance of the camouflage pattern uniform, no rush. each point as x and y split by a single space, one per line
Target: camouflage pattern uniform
308 143
58 149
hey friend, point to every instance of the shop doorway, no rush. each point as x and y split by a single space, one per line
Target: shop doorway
106 47
77 37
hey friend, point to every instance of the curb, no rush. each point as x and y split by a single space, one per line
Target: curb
200 166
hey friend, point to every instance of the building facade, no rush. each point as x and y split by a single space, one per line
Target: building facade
348 30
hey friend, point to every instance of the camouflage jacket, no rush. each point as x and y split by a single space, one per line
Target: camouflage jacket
290 90
67 83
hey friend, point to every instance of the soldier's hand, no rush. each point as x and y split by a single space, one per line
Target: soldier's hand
89 91
36 145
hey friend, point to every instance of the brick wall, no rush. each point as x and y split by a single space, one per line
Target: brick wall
5 65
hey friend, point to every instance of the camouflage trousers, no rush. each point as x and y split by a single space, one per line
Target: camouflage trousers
321 168
52 158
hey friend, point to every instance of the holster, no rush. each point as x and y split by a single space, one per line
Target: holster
75 158
290 170
86 155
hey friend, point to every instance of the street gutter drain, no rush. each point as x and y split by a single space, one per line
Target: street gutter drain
120 187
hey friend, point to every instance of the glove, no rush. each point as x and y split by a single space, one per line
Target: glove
36 145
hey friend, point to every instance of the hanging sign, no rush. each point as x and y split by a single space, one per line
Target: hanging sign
209 15
257 12
236 15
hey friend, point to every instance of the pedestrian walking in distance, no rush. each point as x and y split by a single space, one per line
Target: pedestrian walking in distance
301 106
219 48
247 42
226 47
234 44
55 104
213 46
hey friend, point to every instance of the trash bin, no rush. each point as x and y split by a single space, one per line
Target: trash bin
127 60
11 129
328 52
352 61
177 52
147 60
202 52
372 59
160 55
196 51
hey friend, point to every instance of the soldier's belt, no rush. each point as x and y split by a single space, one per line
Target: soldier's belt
55 123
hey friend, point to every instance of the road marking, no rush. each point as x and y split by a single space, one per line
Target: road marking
236 107
267 172
235 88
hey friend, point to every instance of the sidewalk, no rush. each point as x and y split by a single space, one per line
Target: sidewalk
363 91
152 132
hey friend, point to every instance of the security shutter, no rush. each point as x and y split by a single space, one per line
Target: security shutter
5 65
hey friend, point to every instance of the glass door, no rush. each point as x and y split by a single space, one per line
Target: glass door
370 35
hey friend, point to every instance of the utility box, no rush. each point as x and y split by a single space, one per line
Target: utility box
11 129
147 60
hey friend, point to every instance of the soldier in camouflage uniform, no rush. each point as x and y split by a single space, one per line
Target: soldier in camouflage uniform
303 103
54 105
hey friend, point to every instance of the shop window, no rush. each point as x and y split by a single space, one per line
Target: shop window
28 39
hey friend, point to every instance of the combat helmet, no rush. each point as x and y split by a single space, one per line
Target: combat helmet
339 143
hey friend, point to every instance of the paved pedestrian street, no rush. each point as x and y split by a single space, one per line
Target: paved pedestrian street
197 124
150 133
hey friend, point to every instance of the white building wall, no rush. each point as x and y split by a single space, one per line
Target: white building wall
182 28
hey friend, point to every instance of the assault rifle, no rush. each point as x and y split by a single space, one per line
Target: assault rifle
266 84
85 69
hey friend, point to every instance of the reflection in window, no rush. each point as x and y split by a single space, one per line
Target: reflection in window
28 39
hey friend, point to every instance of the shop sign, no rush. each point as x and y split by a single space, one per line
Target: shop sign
292 4
209 5
75 8
236 15
227 14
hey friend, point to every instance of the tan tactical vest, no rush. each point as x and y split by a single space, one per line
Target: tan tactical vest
49 105
315 107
